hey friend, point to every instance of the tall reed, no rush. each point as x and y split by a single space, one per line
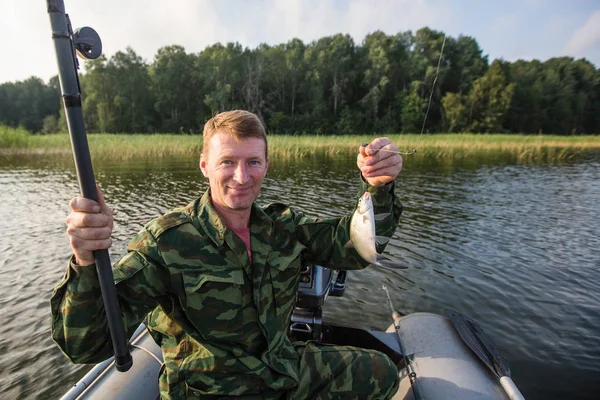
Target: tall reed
523 148
13 138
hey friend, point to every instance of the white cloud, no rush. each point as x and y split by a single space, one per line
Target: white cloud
194 24
312 19
586 37
309 20
147 26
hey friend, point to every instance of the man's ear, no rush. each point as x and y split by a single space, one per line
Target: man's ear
203 167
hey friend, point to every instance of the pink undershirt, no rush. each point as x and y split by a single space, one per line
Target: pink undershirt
244 234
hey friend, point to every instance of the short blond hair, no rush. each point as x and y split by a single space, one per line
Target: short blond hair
239 124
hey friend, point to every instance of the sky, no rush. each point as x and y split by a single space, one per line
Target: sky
507 29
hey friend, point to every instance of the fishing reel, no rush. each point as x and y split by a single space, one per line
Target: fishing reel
87 43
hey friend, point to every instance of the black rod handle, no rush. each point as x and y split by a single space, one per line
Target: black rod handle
69 85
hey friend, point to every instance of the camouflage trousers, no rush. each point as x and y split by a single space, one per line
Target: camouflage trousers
335 373
344 373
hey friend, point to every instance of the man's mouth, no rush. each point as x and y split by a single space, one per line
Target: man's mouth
240 189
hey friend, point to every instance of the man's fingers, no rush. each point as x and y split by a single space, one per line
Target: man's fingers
382 156
367 150
87 205
84 205
379 161
90 233
80 245
378 154
383 172
377 144
362 155
394 161
88 220
89 226
362 149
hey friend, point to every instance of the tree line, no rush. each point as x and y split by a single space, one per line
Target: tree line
329 86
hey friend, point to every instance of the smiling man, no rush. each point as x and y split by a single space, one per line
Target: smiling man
235 161
217 280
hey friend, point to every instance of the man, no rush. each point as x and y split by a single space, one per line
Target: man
217 280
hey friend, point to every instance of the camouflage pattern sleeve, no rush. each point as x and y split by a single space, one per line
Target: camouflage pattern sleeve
79 289
326 239
79 325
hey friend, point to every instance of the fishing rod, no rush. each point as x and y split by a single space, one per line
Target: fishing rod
86 43
412 375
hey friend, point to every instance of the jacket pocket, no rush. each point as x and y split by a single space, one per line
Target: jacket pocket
213 302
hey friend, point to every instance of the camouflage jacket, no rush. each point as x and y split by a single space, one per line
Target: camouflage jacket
220 320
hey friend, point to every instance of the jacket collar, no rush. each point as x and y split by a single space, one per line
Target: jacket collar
208 221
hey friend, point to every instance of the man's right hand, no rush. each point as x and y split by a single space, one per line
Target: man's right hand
89 226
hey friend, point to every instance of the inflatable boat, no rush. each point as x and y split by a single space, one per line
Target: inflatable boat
439 356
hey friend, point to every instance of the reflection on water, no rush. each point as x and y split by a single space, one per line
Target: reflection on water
513 246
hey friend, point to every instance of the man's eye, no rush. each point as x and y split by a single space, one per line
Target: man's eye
254 162
227 162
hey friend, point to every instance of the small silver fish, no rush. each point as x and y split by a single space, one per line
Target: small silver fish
362 234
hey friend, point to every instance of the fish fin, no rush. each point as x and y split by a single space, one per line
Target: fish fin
386 262
349 245
382 216
381 240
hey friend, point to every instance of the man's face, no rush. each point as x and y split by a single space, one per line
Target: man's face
235 170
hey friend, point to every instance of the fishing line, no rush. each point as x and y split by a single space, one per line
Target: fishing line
437 74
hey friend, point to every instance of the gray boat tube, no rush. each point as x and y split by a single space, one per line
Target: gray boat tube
139 382
446 367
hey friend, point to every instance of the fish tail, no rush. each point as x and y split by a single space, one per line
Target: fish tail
386 262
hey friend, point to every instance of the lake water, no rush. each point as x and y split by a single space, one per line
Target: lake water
516 247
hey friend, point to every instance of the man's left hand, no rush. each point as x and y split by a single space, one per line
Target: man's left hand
379 162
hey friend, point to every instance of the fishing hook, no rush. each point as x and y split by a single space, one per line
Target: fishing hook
391 151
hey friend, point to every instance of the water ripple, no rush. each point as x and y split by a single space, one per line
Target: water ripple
514 246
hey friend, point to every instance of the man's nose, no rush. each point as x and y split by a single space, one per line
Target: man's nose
241 174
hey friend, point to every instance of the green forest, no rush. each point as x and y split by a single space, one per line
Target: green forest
331 86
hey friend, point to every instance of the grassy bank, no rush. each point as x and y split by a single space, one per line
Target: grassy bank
442 146
446 146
